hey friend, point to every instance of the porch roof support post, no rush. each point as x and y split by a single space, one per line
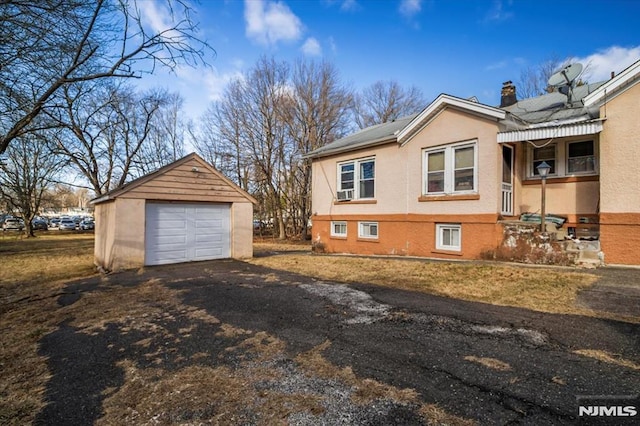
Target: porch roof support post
543 169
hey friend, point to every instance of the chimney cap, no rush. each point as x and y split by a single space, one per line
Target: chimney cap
508 94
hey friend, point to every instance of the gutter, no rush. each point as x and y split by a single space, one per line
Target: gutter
354 147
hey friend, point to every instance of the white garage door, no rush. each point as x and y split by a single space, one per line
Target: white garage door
186 232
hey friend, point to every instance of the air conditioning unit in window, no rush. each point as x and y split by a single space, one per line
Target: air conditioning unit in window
345 195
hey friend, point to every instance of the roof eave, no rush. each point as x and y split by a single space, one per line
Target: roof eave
100 199
626 78
111 195
439 104
350 148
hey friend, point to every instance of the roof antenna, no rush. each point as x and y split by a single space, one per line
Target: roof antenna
564 80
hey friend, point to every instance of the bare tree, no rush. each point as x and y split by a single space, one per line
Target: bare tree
534 80
220 136
264 133
28 171
50 44
166 140
106 128
385 101
317 114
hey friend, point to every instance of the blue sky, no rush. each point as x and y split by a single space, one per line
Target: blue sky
462 48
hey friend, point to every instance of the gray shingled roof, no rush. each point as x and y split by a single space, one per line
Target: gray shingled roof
552 106
380 133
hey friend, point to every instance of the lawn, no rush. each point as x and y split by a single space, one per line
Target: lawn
520 286
69 256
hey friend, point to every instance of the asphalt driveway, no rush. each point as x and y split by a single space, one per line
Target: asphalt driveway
474 362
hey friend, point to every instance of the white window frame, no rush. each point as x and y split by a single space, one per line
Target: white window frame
562 160
556 159
356 177
449 168
440 244
333 228
364 230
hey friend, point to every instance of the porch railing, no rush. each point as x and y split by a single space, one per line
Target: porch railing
507 199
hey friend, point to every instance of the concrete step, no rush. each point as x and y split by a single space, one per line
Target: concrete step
589 263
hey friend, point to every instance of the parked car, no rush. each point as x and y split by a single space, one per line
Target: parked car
39 225
87 224
67 225
54 222
12 224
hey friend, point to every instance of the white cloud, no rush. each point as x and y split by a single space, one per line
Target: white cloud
197 86
269 22
496 65
349 6
497 13
158 17
615 58
216 83
311 47
409 8
332 45
344 5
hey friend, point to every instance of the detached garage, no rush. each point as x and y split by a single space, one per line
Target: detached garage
186 211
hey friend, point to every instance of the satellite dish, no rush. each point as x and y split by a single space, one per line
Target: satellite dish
566 76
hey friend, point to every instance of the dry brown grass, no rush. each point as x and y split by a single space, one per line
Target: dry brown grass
548 290
492 363
262 246
608 358
30 280
49 257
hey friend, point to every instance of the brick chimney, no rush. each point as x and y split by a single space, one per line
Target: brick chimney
508 94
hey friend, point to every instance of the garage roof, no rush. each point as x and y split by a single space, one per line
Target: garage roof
190 178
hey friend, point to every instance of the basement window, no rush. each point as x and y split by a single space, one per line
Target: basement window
448 237
368 230
338 229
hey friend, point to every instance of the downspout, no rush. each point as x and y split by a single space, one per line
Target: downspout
406 202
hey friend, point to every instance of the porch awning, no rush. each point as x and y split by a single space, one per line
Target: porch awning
551 132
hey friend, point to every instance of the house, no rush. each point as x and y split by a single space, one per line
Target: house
185 211
443 182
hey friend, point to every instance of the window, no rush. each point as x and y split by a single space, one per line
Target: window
359 176
338 229
366 179
368 230
346 176
451 169
581 157
464 165
435 171
448 237
548 154
565 158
